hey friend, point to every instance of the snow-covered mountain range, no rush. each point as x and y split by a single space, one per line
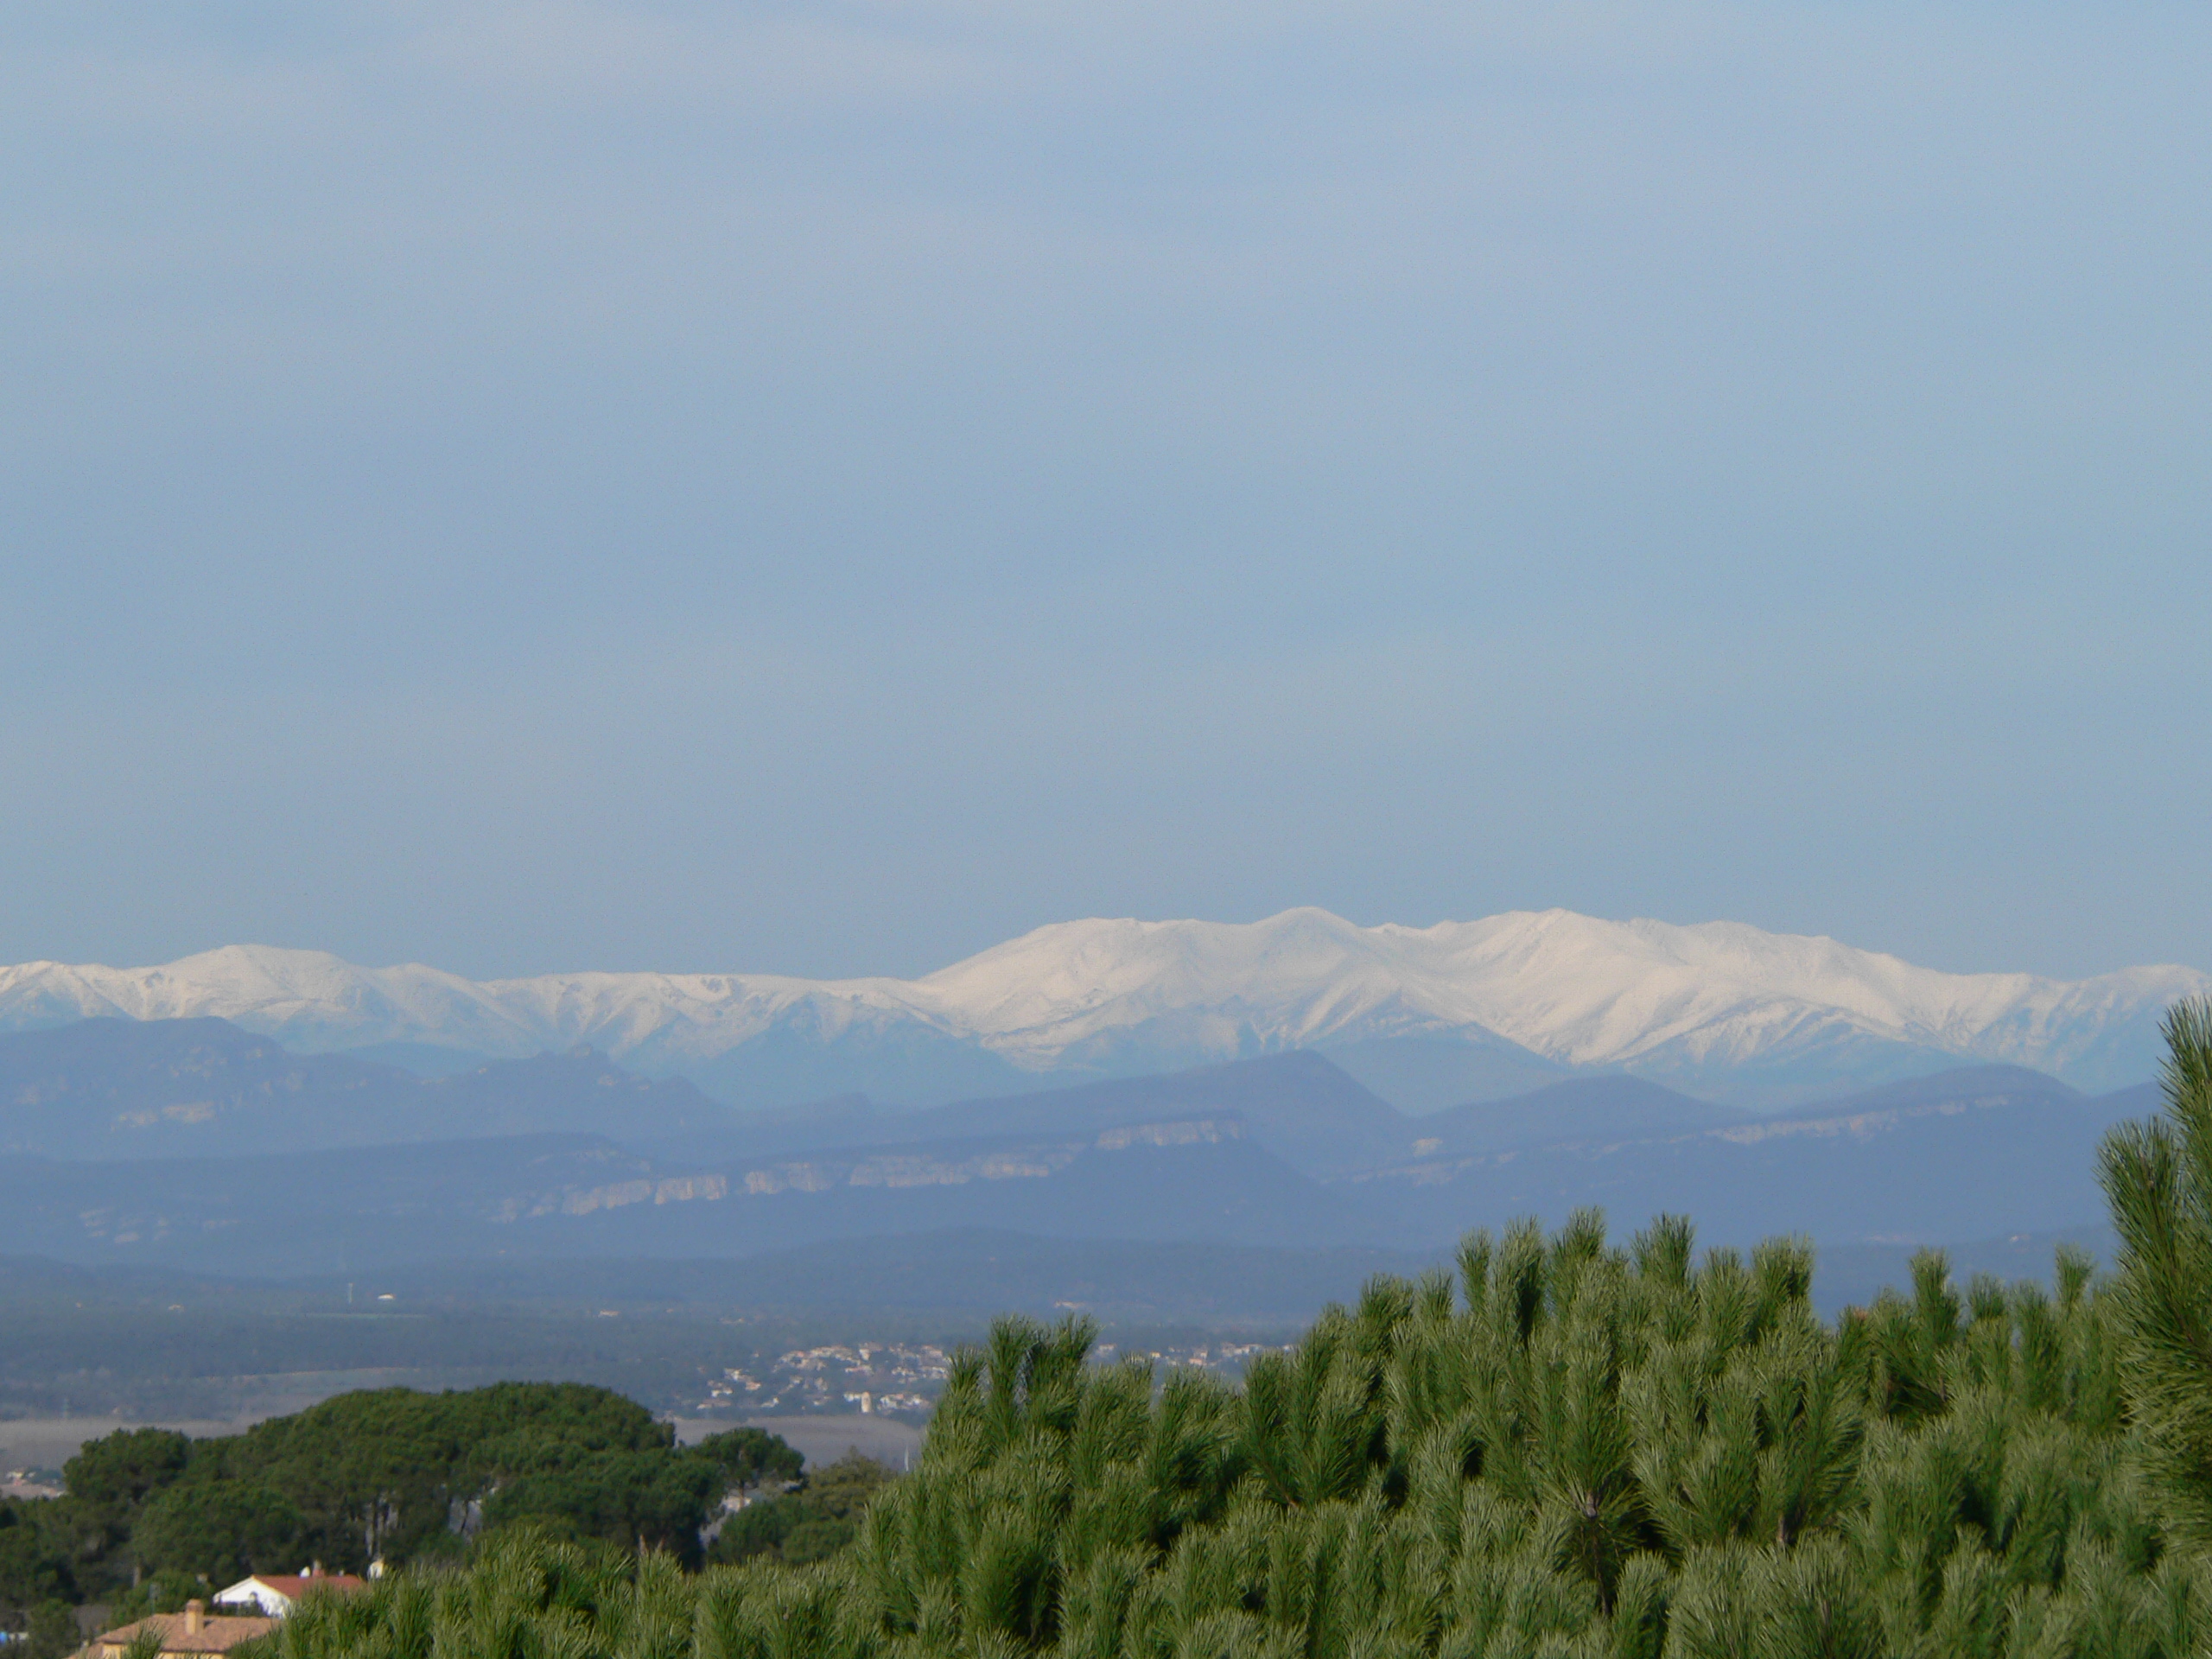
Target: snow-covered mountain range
1719 1008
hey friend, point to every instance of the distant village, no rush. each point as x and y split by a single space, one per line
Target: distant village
895 1379
903 1380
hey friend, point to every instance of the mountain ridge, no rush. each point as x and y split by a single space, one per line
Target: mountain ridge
1712 1008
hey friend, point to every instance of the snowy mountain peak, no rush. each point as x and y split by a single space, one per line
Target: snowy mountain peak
1688 1002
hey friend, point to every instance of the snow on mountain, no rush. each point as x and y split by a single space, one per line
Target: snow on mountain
1102 993
1573 989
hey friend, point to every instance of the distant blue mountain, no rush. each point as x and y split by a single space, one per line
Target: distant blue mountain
333 1163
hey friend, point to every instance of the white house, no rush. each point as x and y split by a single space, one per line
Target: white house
276 1594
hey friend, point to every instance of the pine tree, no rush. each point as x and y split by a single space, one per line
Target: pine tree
2157 1178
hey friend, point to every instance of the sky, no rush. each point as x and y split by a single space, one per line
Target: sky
821 488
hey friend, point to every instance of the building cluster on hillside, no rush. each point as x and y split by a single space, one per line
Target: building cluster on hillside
1228 1359
895 1378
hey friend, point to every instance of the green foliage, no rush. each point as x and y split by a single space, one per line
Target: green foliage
49 1631
1579 1451
157 1593
110 1480
749 1458
811 1524
2157 1178
35 1556
382 1473
218 1530
110 1477
648 1498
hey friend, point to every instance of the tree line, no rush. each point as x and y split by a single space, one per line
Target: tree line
150 1516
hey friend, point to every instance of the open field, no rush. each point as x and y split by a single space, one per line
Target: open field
48 1442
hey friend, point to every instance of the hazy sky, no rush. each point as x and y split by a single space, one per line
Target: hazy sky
825 488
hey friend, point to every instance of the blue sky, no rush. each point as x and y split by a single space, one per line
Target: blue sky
821 488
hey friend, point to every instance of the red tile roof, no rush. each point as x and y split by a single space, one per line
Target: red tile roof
218 1633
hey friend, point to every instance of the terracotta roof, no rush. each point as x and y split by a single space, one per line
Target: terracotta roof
218 1633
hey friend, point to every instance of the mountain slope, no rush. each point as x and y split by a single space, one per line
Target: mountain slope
1279 1151
1718 1009
1988 1154
120 1089
583 1197
1610 1109
1978 1153
1298 1106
